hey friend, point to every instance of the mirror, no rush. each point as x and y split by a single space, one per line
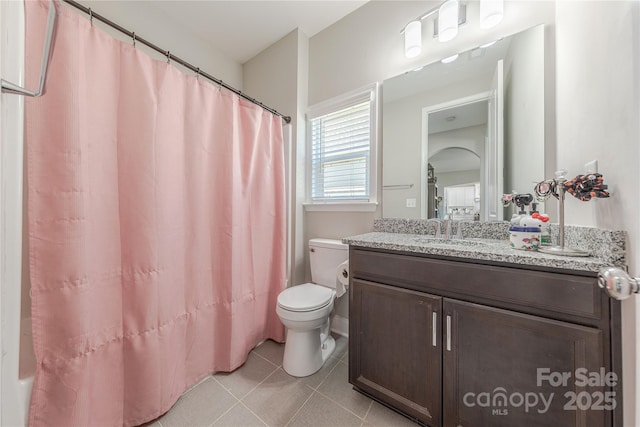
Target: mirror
458 135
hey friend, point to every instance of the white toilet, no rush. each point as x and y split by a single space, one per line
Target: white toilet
305 309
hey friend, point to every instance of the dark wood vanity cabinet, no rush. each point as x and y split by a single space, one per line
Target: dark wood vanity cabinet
493 350
437 340
399 347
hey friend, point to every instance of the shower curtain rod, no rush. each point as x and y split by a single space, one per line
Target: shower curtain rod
172 57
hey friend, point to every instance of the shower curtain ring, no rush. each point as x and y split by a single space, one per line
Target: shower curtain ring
168 57
134 39
198 72
91 16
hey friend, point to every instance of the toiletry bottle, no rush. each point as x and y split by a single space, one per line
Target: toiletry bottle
545 238
530 221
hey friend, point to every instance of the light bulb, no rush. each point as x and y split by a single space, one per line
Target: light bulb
491 13
448 21
413 39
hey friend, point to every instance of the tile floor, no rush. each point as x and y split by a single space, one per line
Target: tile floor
261 393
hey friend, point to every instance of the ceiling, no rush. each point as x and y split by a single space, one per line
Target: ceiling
458 117
241 29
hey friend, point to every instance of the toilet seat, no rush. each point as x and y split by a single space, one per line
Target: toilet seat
305 297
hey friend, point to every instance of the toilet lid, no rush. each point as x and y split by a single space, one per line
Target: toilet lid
306 297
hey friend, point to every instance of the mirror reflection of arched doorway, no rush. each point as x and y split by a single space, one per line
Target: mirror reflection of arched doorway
474 122
454 144
454 184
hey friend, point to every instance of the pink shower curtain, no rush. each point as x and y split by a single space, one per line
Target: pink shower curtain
156 228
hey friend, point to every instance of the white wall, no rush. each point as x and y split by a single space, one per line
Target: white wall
524 111
155 26
453 179
598 96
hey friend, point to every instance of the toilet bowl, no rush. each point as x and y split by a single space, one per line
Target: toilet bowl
305 310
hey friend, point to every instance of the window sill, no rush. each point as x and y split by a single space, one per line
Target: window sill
341 207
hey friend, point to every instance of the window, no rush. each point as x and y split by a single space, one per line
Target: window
342 152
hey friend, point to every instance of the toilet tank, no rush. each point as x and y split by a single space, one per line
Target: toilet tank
325 256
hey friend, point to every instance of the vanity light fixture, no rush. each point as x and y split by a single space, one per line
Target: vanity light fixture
454 14
491 13
413 39
449 59
450 14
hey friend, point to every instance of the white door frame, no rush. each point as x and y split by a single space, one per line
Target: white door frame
424 160
13 395
494 150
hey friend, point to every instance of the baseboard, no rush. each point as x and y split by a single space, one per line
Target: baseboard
340 325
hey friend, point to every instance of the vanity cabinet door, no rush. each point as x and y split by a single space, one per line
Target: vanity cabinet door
395 348
491 359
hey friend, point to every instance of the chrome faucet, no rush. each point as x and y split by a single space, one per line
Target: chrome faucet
448 231
438 234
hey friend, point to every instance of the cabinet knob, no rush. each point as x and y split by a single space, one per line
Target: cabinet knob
617 283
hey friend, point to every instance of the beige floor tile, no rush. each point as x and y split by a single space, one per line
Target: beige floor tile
200 407
316 379
380 415
269 395
272 351
247 377
239 416
337 388
342 345
278 398
319 411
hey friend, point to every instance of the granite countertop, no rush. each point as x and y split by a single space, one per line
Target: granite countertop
489 249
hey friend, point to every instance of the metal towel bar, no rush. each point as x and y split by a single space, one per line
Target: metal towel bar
9 87
398 187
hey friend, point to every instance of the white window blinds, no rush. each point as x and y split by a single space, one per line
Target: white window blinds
341 152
